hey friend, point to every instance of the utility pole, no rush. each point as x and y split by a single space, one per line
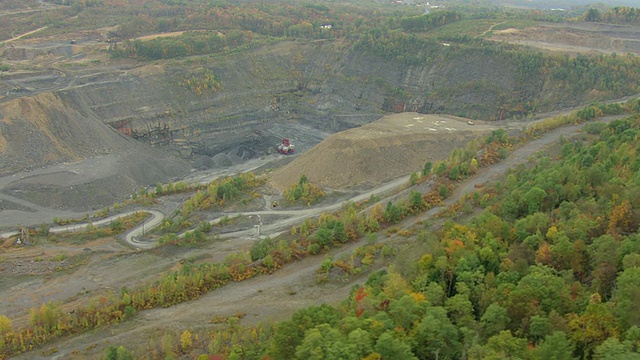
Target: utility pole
24 232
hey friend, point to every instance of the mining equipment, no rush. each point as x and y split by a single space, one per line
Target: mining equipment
286 147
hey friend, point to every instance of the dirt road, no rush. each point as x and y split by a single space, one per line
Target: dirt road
25 34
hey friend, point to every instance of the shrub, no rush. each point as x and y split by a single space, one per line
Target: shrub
304 192
260 249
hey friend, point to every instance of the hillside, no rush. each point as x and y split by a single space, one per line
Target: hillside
384 150
142 210
547 234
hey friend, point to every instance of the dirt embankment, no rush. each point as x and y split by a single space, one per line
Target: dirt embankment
375 153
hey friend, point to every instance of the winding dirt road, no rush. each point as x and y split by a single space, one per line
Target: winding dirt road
38 214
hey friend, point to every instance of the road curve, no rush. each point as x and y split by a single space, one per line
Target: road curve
132 237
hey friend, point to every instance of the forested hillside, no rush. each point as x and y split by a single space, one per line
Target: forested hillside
549 268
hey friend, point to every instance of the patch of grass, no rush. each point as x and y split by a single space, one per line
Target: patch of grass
60 257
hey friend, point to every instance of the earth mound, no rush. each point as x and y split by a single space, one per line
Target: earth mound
387 149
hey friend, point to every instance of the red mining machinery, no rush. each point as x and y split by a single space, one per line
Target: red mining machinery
286 147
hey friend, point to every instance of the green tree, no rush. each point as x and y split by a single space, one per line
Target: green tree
362 343
303 180
539 327
341 350
613 349
116 225
426 170
413 179
289 334
404 312
505 346
592 15
392 213
391 348
260 249
434 293
494 319
554 347
339 232
454 173
436 337
604 260
627 298
540 290
118 353
460 309
533 199
417 202
324 237
316 343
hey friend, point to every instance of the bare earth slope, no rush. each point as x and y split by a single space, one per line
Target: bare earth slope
46 129
381 151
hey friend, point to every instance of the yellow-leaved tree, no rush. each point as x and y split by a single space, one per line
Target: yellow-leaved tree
185 340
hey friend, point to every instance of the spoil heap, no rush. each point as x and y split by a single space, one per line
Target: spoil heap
391 147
